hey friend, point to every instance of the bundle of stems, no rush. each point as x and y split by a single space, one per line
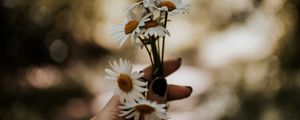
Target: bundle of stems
155 48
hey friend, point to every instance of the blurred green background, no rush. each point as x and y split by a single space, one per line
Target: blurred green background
242 58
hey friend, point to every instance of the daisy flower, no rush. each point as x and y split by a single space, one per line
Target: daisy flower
150 110
130 27
172 6
128 86
152 28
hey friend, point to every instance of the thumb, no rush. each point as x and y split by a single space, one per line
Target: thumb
110 111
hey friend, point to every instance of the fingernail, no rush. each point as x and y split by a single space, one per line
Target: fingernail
189 87
159 86
179 59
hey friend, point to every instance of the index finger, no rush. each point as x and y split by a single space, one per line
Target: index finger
170 67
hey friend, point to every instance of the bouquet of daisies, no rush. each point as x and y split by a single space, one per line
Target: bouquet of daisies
145 27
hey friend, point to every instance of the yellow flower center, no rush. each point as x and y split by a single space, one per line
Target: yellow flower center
169 4
150 24
125 83
130 26
144 109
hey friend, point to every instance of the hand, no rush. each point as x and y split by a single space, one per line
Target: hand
174 92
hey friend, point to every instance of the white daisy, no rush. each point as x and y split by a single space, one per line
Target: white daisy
150 110
172 6
152 28
129 27
128 86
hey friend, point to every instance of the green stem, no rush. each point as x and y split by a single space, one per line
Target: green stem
157 71
148 51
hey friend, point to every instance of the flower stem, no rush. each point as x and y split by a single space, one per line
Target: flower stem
157 71
148 51
164 38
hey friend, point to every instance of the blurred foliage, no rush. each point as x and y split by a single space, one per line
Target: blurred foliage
284 102
28 28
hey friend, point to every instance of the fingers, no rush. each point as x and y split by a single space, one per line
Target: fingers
176 92
110 111
171 66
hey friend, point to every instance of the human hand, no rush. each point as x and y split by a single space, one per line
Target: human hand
174 92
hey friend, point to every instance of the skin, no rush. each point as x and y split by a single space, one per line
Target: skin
174 92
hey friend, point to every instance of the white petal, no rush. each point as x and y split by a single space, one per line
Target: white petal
132 6
124 113
131 115
111 73
140 83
